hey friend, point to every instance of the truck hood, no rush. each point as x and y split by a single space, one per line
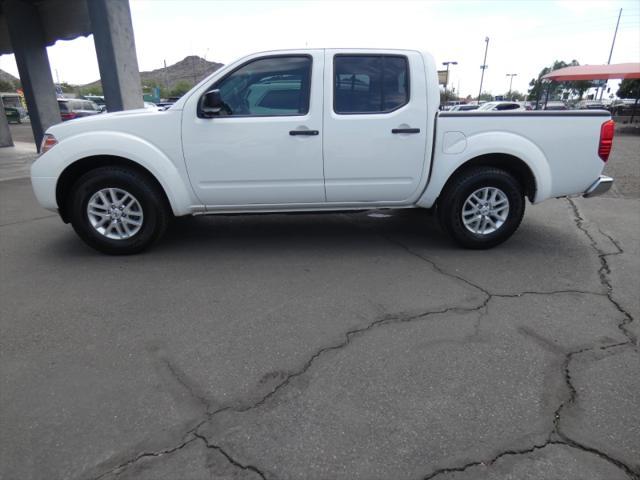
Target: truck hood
117 121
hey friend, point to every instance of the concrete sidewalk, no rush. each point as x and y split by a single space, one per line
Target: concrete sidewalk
15 161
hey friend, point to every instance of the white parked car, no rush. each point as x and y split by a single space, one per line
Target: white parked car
501 106
316 131
153 106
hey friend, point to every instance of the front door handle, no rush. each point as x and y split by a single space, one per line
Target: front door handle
405 130
304 132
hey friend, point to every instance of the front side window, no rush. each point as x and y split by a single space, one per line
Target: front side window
370 83
268 87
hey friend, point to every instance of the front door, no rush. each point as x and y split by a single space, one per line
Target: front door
265 145
374 126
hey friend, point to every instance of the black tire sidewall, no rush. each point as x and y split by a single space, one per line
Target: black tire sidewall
454 199
129 181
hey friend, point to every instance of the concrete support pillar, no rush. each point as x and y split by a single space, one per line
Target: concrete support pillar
5 133
27 39
116 51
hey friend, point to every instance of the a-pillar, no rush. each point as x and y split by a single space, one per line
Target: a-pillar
27 39
116 51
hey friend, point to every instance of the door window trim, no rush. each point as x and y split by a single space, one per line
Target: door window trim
379 55
214 85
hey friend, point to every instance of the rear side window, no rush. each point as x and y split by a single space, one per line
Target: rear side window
64 107
370 83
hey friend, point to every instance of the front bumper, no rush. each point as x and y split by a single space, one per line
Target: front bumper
600 186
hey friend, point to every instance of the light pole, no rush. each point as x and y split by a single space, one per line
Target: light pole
511 83
483 67
446 84
615 34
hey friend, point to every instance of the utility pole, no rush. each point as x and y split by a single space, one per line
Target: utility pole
483 67
615 34
511 82
446 84
166 78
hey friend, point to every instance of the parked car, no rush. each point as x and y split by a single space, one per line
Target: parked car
316 131
152 106
555 105
625 106
463 108
500 106
590 105
71 108
98 100
13 115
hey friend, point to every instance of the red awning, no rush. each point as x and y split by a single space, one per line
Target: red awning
595 72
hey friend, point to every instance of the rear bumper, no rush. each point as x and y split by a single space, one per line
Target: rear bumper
600 186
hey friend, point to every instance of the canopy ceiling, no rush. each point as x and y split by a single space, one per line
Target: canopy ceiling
595 72
61 20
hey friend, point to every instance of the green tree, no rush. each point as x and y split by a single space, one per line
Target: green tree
6 86
66 88
557 90
630 88
148 86
580 86
515 95
447 96
485 97
92 90
180 88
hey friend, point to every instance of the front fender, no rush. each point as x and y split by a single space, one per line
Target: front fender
486 143
51 165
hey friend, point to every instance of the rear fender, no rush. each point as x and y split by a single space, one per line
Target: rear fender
445 164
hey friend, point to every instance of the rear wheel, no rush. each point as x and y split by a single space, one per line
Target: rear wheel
481 207
117 211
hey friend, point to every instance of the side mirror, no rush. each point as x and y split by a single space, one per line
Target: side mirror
211 104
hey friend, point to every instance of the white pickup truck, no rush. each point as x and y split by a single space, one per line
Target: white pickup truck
316 130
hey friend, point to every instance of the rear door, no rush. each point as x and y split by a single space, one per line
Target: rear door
265 148
374 125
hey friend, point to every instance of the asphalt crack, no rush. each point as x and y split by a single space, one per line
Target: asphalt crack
527 451
605 269
118 469
603 273
229 458
183 380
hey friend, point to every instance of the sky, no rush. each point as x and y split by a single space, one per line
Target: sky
524 36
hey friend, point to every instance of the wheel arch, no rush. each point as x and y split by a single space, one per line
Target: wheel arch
514 153
504 161
75 170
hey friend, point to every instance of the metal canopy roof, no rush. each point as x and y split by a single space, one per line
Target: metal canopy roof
595 72
61 20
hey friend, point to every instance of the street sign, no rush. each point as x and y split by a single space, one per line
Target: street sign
442 77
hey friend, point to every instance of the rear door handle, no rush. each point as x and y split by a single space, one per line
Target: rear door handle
304 132
405 130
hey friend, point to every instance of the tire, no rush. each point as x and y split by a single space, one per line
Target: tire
469 196
128 211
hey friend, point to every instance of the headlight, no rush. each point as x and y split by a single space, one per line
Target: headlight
48 142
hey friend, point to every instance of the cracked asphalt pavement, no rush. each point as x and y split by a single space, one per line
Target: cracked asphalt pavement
341 346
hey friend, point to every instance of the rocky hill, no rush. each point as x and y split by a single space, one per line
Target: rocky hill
7 79
191 69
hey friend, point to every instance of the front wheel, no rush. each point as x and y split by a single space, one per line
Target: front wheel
481 207
117 211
